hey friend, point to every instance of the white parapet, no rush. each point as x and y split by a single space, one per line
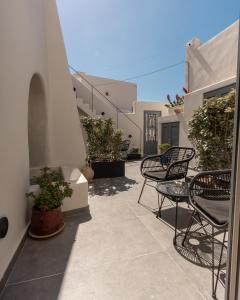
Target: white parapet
79 184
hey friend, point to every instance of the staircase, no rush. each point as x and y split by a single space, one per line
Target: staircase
92 102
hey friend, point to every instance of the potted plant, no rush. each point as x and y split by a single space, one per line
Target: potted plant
88 172
134 154
176 105
46 217
104 147
164 147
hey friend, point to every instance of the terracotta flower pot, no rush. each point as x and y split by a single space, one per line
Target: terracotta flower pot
88 172
178 110
46 223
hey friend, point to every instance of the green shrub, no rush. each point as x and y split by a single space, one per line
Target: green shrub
211 132
103 141
164 147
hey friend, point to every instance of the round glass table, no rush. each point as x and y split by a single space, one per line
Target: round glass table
177 191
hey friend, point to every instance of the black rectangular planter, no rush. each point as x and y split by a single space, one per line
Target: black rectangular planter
133 156
106 169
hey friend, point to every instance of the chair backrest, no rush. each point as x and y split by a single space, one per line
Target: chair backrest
177 160
212 185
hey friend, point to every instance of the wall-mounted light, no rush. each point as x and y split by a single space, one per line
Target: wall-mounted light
3 227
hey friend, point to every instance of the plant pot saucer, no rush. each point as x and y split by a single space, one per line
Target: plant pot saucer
42 237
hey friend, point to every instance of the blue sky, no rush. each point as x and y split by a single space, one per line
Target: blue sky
122 38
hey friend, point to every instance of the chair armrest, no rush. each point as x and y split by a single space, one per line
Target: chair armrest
152 163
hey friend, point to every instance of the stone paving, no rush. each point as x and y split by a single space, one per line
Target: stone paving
118 250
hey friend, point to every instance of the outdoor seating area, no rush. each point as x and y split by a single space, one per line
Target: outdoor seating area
119 243
207 195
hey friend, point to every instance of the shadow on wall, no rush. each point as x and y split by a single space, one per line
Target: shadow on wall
110 186
195 54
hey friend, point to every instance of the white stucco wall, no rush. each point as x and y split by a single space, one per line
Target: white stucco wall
31 43
121 93
213 61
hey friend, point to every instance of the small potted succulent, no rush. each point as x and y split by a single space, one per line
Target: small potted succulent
176 105
46 217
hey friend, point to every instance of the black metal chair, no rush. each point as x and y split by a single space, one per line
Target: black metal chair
210 199
171 165
124 148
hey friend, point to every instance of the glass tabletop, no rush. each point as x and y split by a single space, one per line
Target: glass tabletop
175 188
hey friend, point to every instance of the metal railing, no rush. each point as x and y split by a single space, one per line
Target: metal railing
116 109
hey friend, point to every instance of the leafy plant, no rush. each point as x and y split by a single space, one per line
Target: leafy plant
103 141
53 190
164 147
173 103
211 132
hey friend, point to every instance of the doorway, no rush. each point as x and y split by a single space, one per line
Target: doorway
170 133
151 132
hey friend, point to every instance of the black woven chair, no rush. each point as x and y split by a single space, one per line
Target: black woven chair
171 165
209 197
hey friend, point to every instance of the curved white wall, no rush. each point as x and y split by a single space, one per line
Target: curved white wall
31 42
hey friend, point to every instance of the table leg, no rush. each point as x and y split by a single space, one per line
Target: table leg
176 223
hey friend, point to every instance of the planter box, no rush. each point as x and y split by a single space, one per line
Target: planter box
133 156
107 169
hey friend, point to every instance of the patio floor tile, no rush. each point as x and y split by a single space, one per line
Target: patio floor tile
120 250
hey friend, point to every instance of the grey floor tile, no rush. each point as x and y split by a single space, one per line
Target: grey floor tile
106 241
153 276
41 289
119 251
46 257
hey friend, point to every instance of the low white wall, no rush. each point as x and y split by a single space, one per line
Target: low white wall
213 61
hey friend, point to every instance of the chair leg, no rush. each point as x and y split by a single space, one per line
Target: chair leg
176 223
213 284
159 214
189 228
145 180
219 266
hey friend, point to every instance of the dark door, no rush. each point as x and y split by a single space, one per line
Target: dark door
170 133
151 131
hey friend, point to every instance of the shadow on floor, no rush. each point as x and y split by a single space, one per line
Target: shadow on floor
198 249
168 217
39 270
110 186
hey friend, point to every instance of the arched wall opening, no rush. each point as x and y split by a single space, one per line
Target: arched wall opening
37 124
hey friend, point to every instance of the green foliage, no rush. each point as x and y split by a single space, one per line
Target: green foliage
164 147
103 141
174 103
53 190
211 132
